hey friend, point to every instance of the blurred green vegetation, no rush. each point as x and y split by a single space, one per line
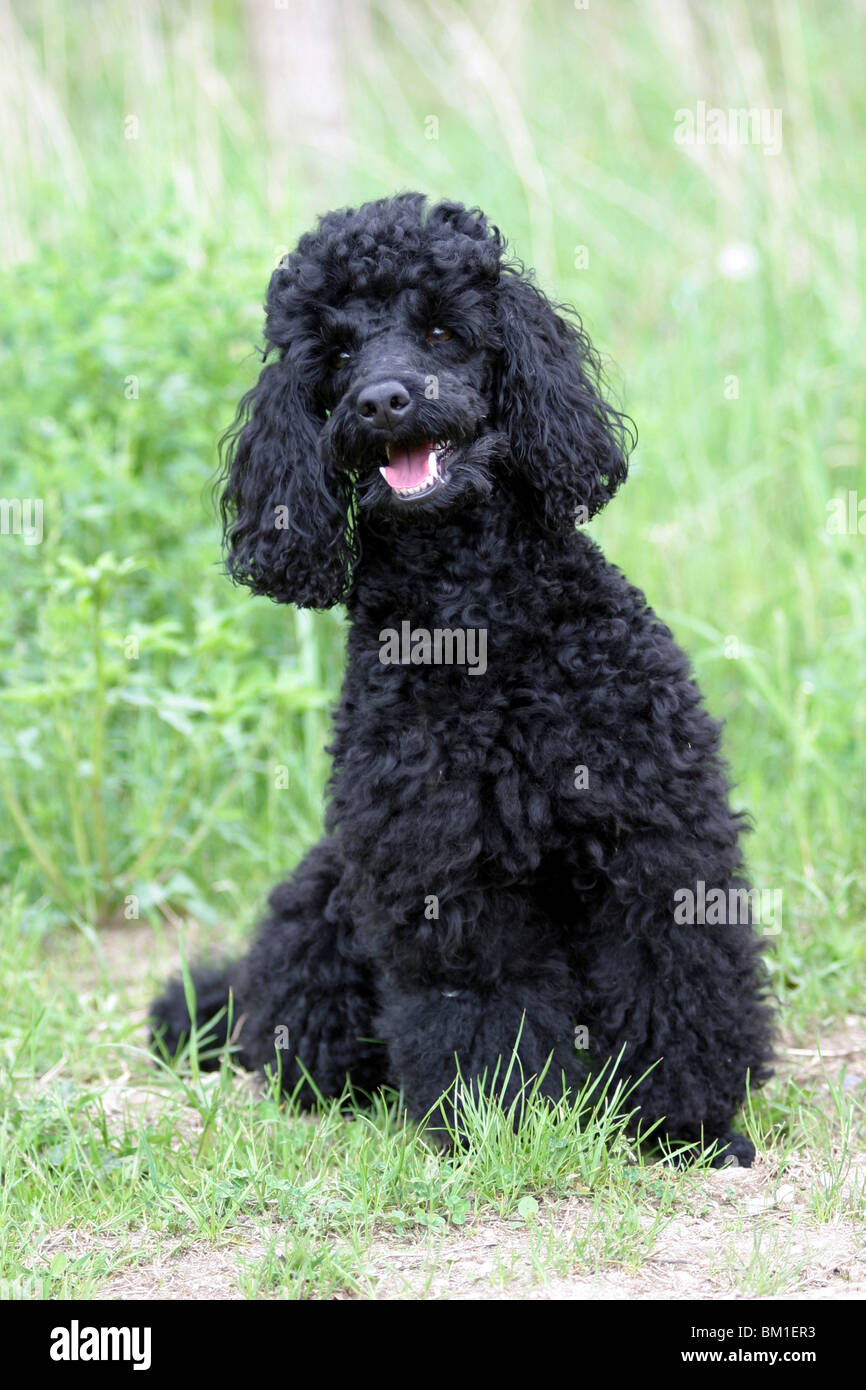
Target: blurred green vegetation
146 708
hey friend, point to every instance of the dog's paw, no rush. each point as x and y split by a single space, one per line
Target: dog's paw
442 1142
732 1150
735 1151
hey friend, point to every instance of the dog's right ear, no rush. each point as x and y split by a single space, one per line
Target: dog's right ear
284 510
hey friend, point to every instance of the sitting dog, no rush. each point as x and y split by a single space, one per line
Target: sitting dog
526 786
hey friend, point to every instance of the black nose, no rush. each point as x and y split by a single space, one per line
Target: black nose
384 405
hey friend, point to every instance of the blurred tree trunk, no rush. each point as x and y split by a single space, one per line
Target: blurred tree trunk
298 52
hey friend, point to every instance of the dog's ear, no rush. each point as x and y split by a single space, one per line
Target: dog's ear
284 509
569 447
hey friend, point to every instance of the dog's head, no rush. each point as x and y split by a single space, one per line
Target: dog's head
418 371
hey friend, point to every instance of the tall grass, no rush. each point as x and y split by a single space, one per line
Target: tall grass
161 734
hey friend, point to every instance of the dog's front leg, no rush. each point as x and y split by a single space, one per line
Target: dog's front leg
446 1045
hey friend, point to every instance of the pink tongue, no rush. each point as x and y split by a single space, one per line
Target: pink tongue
407 467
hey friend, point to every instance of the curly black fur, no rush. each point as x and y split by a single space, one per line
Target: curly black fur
395 327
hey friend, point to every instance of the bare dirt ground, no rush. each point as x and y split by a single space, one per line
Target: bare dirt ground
700 1255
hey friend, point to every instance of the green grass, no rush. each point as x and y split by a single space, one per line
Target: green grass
162 735
113 1166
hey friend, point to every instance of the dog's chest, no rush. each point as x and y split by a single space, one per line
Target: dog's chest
436 774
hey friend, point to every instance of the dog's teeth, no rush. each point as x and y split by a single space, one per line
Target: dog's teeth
414 491
383 470
433 477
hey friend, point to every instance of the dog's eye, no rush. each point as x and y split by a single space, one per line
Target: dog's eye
339 359
439 335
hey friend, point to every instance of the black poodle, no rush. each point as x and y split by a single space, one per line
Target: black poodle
527 793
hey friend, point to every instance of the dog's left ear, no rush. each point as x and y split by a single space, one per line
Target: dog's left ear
566 442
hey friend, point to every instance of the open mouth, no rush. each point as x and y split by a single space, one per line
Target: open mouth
414 470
